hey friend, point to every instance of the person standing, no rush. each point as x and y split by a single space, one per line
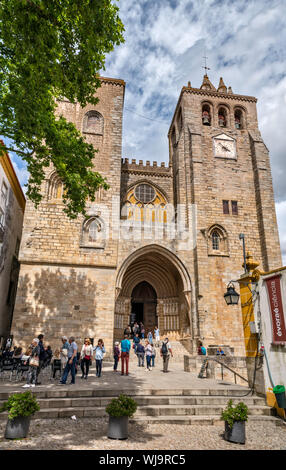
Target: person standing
142 331
148 353
153 355
136 341
99 353
86 357
150 337
157 336
42 356
125 349
116 355
140 354
71 362
64 352
165 352
34 360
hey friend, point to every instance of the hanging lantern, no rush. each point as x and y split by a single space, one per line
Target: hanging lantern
231 296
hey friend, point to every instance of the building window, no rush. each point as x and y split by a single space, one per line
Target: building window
234 207
222 117
225 205
145 193
93 123
93 233
215 240
55 187
206 115
4 194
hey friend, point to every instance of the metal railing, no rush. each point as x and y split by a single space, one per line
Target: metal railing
236 374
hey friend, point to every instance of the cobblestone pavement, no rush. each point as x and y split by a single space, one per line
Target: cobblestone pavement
90 434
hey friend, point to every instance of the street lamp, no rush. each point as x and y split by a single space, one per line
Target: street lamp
231 296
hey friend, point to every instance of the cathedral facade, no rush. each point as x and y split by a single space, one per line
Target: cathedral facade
161 245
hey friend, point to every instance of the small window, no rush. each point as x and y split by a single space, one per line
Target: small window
4 194
17 248
225 205
215 240
234 207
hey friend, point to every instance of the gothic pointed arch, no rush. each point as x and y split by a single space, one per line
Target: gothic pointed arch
217 239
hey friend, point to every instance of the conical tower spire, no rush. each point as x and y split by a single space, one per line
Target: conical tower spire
222 88
207 84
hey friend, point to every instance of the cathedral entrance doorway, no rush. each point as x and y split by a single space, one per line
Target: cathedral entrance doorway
154 287
143 305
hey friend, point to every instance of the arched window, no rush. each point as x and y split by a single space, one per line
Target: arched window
222 117
215 240
55 187
238 119
206 115
93 233
93 123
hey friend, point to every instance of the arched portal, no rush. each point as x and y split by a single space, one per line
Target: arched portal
154 273
144 305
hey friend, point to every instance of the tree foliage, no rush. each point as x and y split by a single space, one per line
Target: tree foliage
50 50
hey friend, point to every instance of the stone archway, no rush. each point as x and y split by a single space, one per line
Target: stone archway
166 274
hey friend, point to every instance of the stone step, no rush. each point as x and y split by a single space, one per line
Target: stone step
200 420
69 392
46 403
183 410
163 414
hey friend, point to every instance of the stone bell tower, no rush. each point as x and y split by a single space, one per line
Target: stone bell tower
221 164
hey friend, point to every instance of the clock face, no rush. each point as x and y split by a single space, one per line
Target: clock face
224 146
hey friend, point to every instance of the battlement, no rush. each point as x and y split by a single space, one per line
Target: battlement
133 166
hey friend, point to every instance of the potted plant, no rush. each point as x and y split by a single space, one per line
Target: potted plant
21 406
119 410
235 418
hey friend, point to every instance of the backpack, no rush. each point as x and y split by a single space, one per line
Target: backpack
164 349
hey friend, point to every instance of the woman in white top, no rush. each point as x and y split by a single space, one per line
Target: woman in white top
86 357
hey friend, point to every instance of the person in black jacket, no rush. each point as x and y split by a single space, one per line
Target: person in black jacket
42 356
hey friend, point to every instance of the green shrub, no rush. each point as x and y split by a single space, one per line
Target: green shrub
20 404
234 413
121 406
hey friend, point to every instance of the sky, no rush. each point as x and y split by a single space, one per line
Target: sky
165 42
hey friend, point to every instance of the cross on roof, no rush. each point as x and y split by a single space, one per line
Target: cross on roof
205 66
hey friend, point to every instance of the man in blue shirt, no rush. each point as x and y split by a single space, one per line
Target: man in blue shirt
125 348
70 365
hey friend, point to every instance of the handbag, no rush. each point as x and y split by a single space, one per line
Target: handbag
34 361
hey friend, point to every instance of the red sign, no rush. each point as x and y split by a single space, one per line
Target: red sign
276 306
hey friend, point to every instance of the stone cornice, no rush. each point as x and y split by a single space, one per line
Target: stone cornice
146 172
113 81
216 94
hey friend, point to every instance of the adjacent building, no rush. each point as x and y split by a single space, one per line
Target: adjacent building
12 206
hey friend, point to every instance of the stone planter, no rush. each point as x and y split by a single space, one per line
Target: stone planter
17 428
236 433
118 427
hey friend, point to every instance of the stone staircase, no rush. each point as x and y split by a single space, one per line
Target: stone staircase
177 406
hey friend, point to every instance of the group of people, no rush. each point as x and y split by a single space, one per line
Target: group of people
146 350
65 360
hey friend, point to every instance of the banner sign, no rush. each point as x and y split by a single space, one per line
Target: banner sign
276 307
